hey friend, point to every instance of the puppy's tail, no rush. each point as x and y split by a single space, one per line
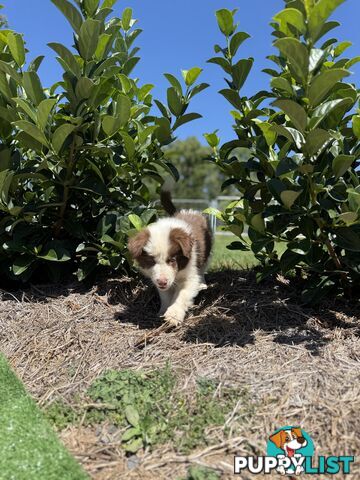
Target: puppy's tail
166 202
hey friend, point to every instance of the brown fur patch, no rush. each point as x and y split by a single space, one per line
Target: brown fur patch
181 244
201 234
137 243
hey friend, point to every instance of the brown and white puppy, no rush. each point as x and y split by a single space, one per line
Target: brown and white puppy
173 253
289 440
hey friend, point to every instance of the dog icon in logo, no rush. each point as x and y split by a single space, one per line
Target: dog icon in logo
289 440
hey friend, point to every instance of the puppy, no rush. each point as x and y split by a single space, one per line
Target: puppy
173 252
289 441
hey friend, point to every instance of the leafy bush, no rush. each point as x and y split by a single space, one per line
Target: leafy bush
74 158
296 152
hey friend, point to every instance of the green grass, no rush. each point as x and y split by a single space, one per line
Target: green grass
233 259
29 448
223 258
152 410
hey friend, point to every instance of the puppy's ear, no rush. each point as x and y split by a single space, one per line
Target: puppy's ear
297 431
278 438
184 240
137 243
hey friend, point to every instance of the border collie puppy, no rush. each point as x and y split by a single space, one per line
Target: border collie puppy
173 253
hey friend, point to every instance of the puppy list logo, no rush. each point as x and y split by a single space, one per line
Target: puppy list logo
290 450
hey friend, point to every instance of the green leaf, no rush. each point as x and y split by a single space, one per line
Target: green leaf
322 84
347 238
267 130
130 433
6 178
294 111
32 130
356 125
212 139
341 164
44 111
232 97
108 3
71 13
320 12
163 133
131 413
291 134
340 49
17 48
102 46
297 56
126 19
222 62
240 71
55 252
289 197
282 84
89 38
91 6
28 109
9 70
60 135
137 223
192 75
236 41
84 88
21 264
68 58
348 217
174 102
129 144
123 109
174 82
33 87
293 17
188 117
326 108
111 125
35 64
289 260
133 446
315 140
257 222
225 21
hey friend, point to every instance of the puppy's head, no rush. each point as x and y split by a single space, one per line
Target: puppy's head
161 254
289 440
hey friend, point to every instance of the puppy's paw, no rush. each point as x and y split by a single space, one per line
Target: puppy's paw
281 470
174 315
299 470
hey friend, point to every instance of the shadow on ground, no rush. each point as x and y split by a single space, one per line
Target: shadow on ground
235 307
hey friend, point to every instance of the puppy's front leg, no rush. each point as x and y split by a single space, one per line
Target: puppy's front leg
183 300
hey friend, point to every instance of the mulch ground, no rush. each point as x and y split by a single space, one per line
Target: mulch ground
300 365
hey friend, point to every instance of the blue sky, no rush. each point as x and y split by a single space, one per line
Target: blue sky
178 34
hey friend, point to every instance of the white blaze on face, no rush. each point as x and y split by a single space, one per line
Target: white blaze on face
162 273
292 442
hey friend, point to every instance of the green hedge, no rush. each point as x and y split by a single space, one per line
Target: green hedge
76 158
295 156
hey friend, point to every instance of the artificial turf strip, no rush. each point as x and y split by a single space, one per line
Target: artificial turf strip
30 450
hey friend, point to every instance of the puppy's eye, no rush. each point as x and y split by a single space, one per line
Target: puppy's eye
172 261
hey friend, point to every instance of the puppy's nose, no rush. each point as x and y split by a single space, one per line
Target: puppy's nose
162 282
301 440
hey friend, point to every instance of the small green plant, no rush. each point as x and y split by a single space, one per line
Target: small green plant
151 410
201 473
296 154
75 158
